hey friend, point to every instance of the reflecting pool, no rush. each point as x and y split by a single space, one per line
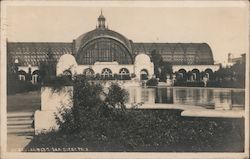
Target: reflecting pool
210 98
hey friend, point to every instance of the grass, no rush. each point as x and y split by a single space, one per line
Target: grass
24 102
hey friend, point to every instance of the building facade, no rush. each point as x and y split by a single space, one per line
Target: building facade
106 52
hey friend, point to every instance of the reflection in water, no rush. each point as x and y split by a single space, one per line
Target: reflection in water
163 95
215 98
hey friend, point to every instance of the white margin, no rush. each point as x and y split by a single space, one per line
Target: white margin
105 155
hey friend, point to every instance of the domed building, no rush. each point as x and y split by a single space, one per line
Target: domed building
107 53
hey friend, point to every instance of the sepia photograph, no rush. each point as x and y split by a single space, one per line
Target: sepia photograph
125 79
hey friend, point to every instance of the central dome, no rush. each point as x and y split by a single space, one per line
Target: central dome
103 45
84 39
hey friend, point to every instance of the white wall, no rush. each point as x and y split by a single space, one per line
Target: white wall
149 67
142 61
99 66
54 99
51 102
201 68
66 62
26 68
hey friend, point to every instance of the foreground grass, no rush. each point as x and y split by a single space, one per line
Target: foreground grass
24 102
160 131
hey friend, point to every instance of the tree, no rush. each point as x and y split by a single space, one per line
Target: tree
12 77
233 76
167 69
43 71
239 71
87 105
161 68
91 106
47 68
116 96
158 62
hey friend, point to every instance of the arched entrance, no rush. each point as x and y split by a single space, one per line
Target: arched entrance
89 72
67 73
35 77
22 75
144 74
195 75
182 74
208 73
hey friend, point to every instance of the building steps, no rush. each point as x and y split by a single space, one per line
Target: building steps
20 122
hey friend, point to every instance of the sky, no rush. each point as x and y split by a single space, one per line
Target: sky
225 29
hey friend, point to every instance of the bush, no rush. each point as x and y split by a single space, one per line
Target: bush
189 84
98 76
225 84
232 84
213 84
152 82
58 82
116 76
116 97
133 75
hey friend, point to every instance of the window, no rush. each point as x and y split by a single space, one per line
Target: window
124 74
104 50
21 77
106 73
89 72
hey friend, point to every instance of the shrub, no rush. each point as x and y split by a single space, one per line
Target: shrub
58 82
152 82
98 76
213 84
189 83
87 105
133 75
116 76
116 96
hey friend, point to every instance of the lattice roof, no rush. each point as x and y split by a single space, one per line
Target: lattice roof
33 53
200 51
176 53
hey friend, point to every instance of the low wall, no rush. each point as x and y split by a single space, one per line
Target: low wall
52 101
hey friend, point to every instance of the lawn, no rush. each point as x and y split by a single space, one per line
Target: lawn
24 102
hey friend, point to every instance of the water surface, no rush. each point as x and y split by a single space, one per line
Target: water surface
210 98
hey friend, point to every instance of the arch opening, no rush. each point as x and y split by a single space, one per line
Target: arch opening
89 72
35 77
106 73
194 75
144 74
181 74
209 73
22 75
124 74
67 74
